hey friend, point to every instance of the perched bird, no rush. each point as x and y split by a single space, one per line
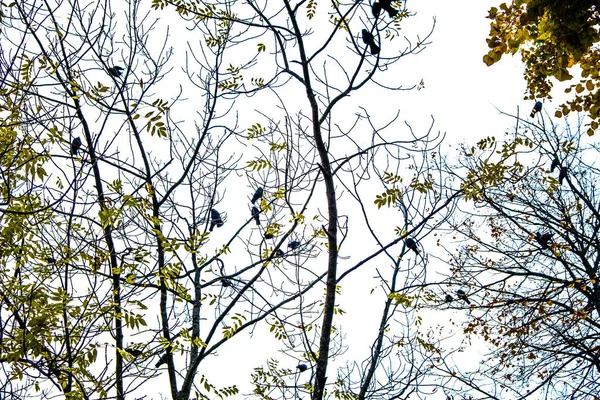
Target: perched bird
215 219
294 244
255 215
562 175
279 253
75 146
510 301
544 239
51 260
369 40
411 244
448 298
302 367
536 109
269 236
134 352
463 296
257 195
376 9
116 71
226 283
383 5
161 361
554 164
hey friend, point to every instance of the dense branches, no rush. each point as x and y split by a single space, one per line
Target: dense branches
531 263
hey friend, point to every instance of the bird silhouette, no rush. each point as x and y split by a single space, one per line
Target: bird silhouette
294 244
226 283
301 367
448 298
411 244
215 219
116 71
369 40
562 174
279 253
383 5
134 352
544 239
554 164
536 109
269 236
463 296
161 361
255 215
75 146
257 195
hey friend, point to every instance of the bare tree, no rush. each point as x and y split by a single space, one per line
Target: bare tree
529 263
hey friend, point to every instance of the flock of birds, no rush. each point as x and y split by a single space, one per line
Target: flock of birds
376 8
543 239
216 220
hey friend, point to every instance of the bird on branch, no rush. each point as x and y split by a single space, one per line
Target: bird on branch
134 352
544 239
369 40
215 219
255 215
554 164
116 71
75 146
411 244
257 195
562 174
383 5
463 296
301 367
536 109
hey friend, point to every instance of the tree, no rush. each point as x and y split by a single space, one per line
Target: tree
529 263
126 231
552 37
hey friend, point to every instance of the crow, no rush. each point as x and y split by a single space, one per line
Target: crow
302 367
536 109
384 5
75 146
463 296
554 164
294 244
257 195
255 215
412 245
544 239
116 71
369 40
562 174
215 219
448 298
134 352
